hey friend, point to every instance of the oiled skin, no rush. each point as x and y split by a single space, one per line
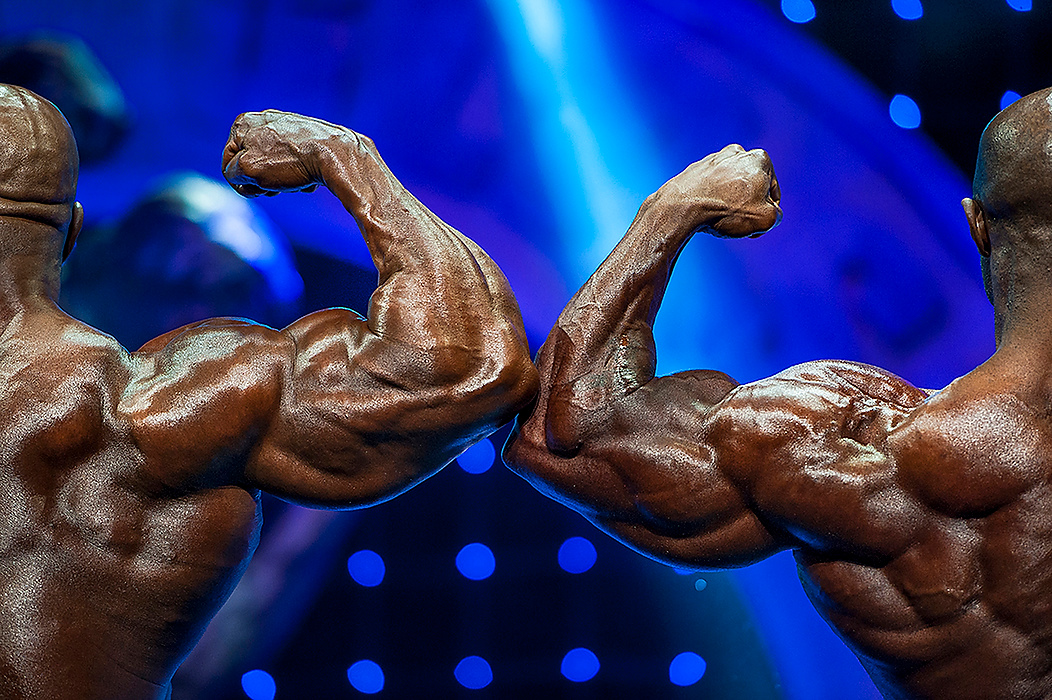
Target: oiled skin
922 525
131 481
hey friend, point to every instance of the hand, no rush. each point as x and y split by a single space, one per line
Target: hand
271 152
730 194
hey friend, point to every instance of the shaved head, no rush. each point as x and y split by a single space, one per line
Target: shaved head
38 158
1013 176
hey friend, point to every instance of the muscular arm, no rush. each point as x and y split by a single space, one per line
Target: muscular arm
339 410
692 468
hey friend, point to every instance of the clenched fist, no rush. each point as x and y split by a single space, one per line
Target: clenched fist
731 194
271 152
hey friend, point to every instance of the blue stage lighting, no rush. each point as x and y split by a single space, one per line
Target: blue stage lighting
259 685
366 676
580 665
799 11
701 584
904 112
908 9
476 561
478 458
1021 5
577 555
686 669
1009 97
366 567
473 672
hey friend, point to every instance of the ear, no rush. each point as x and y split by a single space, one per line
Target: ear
973 211
75 223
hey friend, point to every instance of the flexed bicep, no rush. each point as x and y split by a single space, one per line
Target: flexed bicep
641 472
362 418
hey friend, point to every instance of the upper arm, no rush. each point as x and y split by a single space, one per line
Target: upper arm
363 417
698 472
324 412
635 466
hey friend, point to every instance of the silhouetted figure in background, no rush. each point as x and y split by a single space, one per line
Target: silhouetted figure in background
65 71
188 250
922 525
132 480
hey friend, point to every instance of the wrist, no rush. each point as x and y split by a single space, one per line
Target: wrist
677 213
329 153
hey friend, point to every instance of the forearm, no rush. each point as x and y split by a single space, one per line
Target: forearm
601 350
436 287
606 328
602 345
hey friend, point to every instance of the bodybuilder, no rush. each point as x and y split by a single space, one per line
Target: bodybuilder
131 481
922 525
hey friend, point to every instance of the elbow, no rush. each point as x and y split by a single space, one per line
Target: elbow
513 384
497 387
523 452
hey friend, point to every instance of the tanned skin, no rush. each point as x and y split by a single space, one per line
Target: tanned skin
922 525
131 481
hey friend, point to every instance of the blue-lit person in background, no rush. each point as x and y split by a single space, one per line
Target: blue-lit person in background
189 249
132 480
921 521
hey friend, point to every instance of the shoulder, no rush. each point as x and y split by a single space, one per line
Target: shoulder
205 390
823 396
817 412
853 378
976 446
207 352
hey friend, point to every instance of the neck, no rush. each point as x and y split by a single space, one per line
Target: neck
29 267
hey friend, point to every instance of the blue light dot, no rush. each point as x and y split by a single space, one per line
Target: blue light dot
577 555
473 672
701 584
366 567
904 112
366 676
1021 5
580 665
686 669
908 9
1009 97
478 458
799 11
259 685
476 561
